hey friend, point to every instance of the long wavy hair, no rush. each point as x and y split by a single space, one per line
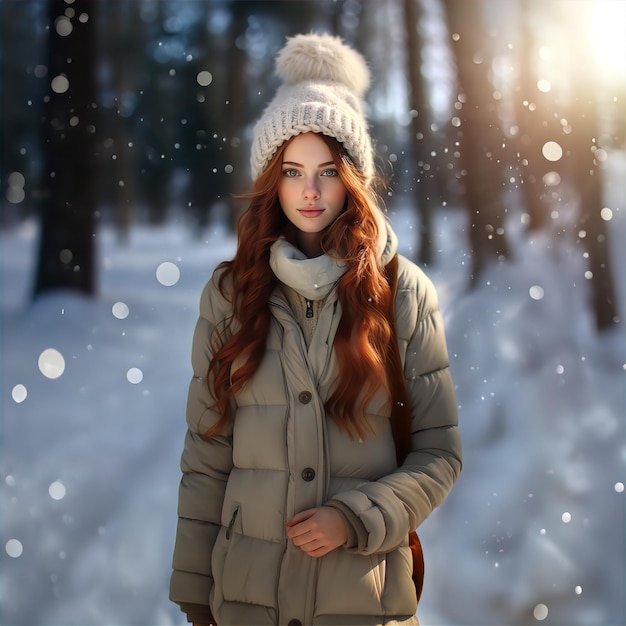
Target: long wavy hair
363 334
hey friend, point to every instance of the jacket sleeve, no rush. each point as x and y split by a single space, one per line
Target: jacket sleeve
382 512
205 468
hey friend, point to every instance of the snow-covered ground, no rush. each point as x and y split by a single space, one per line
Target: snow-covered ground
91 434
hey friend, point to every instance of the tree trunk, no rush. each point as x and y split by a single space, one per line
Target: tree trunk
66 251
595 243
480 137
538 118
421 139
124 57
587 177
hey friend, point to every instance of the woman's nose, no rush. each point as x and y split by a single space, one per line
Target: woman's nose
311 189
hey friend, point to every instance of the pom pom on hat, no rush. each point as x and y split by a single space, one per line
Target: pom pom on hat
322 57
323 83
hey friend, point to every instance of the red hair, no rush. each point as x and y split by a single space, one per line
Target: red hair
363 335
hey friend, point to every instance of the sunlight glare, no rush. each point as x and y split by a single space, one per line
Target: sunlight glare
606 31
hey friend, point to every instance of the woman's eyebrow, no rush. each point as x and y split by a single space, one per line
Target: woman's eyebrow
300 164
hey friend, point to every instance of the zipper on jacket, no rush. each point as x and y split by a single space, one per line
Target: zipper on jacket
231 523
309 308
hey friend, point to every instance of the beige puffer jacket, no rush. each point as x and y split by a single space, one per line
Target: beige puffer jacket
282 456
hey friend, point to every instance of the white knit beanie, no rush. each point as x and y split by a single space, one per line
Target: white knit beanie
323 84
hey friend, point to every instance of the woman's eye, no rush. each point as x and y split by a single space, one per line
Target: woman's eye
330 172
290 173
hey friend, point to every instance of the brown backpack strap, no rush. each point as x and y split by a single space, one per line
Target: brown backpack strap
401 408
401 413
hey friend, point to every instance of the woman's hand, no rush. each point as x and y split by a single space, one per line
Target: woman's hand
318 531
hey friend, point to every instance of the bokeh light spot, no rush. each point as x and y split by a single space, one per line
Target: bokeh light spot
120 310
15 195
134 375
168 274
544 85
551 179
19 393
204 78
16 179
606 214
15 191
63 26
60 84
600 155
57 490
66 256
552 151
14 548
51 363
540 612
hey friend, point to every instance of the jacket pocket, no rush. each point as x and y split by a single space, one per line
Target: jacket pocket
249 567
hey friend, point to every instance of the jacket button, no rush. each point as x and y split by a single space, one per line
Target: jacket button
305 397
308 474
294 622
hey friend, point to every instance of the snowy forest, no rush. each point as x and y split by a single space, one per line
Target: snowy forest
125 129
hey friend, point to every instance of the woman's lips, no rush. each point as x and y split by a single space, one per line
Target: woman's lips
311 211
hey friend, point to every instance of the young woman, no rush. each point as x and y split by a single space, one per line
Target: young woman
292 507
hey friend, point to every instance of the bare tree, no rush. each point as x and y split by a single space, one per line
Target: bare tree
66 251
536 118
480 135
123 20
421 136
587 177
544 116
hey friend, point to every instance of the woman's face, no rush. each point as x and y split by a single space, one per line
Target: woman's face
310 191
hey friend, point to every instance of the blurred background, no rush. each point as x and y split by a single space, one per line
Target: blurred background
125 129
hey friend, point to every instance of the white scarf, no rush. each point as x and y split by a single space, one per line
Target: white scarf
311 278
314 278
